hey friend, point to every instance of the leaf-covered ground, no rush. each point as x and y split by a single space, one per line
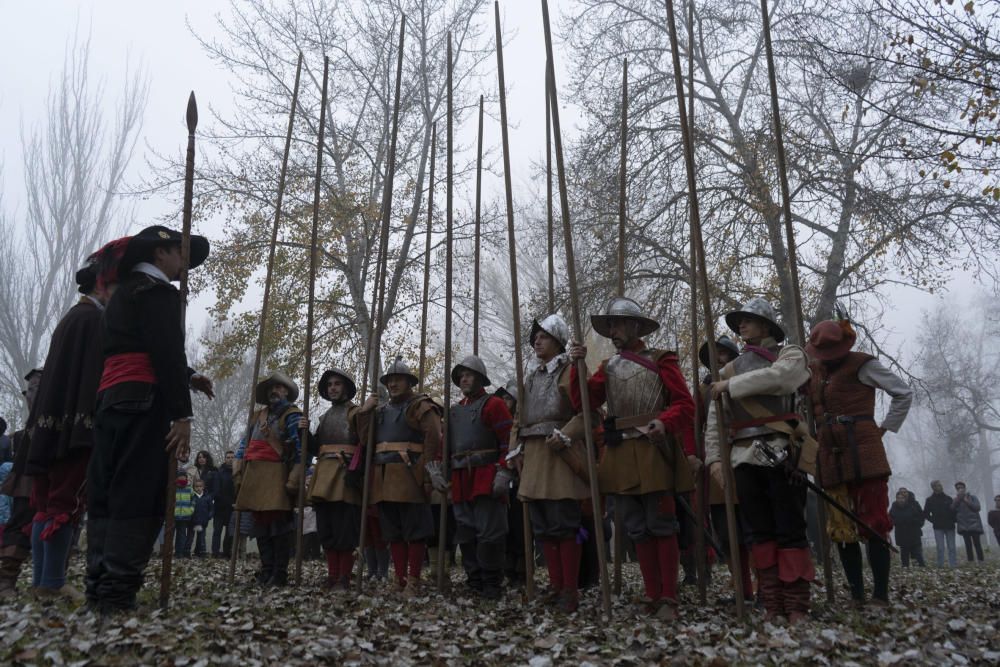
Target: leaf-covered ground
938 617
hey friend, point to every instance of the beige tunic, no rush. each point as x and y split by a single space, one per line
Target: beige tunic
329 477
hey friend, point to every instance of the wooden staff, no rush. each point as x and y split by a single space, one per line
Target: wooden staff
167 561
479 197
701 488
548 202
727 466
310 316
529 545
262 325
449 232
622 219
427 261
581 364
793 270
375 337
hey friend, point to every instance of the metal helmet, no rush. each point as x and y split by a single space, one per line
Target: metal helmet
470 363
509 389
276 377
623 307
555 326
760 308
724 342
398 367
352 387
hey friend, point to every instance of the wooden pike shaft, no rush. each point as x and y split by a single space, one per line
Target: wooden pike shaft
529 551
479 199
310 319
548 202
707 307
449 232
622 220
581 365
167 562
793 270
427 260
701 486
262 325
378 323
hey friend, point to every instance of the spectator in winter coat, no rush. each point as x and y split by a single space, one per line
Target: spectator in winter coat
908 517
938 510
5 501
223 492
183 512
202 515
6 450
970 524
993 518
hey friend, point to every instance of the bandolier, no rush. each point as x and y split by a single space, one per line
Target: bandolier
335 491
648 434
268 469
854 468
761 383
479 430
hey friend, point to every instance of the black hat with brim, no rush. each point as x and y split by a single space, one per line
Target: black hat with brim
142 244
352 389
723 341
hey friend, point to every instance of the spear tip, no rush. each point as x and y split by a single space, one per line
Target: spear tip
192 113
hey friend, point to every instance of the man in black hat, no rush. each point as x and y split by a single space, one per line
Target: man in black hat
15 543
143 416
267 473
407 445
479 433
335 491
761 384
62 422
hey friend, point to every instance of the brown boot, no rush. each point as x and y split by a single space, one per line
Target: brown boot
769 593
796 572
569 600
796 600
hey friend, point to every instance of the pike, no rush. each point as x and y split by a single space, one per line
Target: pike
581 364
166 565
622 221
378 322
310 318
701 488
793 270
262 325
427 260
548 201
529 544
449 238
699 252
479 198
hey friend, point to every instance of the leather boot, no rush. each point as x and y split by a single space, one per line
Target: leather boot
265 547
128 545
490 557
879 560
765 557
470 563
282 553
97 531
850 559
796 572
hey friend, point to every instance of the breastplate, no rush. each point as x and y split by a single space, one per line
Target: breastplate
631 388
334 428
468 433
776 405
391 424
543 407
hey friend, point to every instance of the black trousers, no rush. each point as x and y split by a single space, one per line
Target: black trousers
220 522
773 508
915 551
338 525
405 522
973 541
555 519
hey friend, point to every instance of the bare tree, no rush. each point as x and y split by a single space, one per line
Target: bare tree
75 162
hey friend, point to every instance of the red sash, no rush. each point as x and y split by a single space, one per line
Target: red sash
261 450
127 367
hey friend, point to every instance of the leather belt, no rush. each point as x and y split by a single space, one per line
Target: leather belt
402 448
342 451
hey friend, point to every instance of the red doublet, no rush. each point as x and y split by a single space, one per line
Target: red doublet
468 484
677 416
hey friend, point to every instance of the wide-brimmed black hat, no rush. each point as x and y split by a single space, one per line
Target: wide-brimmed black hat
723 341
352 388
141 246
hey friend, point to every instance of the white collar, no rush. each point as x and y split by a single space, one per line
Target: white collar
151 270
100 306
553 364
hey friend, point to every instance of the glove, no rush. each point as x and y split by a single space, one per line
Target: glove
501 483
435 472
558 441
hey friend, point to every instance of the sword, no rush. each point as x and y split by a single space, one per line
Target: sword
709 535
773 459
